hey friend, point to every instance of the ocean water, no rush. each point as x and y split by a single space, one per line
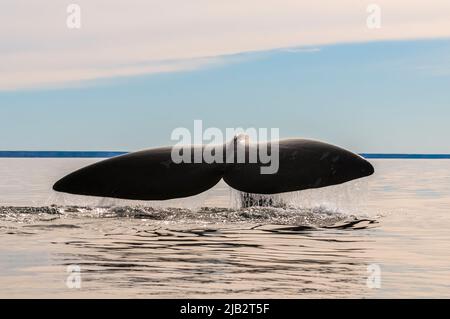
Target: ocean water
386 236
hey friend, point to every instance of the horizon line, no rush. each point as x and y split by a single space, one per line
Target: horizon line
108 154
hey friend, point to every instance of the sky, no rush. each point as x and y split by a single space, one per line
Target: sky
136 70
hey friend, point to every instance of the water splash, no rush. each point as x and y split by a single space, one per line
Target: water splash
345 198
315 217
221 205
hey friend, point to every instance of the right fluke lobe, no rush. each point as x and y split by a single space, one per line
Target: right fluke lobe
303 164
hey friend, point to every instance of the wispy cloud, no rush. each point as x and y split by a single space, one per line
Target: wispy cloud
301 50
122 38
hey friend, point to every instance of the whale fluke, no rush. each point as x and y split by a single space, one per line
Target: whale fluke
303 164
153 175
143 175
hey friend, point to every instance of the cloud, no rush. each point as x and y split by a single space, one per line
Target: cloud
122 38
301 50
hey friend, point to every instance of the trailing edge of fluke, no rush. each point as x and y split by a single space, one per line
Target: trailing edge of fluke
153 175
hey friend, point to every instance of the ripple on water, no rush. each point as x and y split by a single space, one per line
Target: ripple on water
176 252
301 217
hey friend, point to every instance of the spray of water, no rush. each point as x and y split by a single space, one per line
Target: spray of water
344 198
221 204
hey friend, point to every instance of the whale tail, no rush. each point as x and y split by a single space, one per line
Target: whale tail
154 175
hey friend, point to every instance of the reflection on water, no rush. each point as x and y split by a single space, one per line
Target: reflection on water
319 245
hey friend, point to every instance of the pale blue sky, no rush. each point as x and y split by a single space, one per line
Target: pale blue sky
369 97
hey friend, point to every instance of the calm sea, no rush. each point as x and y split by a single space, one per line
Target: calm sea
383 236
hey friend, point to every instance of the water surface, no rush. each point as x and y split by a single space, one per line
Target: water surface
320 243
